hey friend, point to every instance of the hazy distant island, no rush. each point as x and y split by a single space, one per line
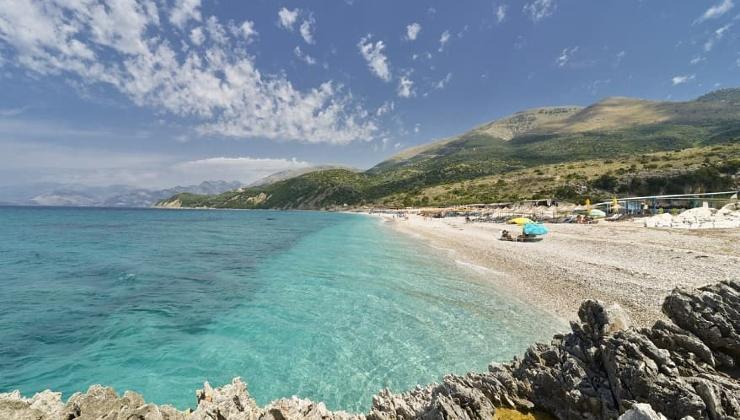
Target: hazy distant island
617 146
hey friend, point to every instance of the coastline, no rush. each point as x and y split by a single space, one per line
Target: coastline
603 368
620 263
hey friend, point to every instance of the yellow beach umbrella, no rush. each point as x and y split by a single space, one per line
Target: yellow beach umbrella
520 221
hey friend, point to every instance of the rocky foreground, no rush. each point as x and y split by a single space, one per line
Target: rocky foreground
602 369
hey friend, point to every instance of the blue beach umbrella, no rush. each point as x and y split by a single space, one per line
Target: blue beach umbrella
534 229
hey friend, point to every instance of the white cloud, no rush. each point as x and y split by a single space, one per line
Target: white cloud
33 161
216 31
220 89
405 87
716 37
246 30
197 37
501 12
565 56
287 18
303 56
539 9
183 11
443 40
679 80
387 107
412 31
376 59
716 11
306 29
442 83
696 60
244 169
417 128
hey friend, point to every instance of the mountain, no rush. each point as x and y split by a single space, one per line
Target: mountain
54 194
612 146
292 173
147 198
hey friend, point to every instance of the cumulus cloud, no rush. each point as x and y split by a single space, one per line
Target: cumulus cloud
716 37
183 11
218 86
405 87
197 37
307 28
679 80
412 31
443 40
375 58
539 9
303 56
287 18
501 13
716 11
565 56
246 30
387 107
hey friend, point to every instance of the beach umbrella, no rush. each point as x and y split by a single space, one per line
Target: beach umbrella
596 213
615 205
520 221
534 229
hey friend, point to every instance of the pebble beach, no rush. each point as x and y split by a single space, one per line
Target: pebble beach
620 262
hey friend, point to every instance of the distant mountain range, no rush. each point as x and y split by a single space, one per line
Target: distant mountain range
617 145
52 194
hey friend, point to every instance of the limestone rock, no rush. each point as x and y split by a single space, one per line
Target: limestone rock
712 313
641 412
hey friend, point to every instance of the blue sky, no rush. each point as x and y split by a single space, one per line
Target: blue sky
154 93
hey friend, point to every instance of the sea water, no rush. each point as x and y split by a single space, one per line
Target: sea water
327 306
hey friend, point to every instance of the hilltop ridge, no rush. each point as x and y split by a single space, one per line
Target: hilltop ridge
566 152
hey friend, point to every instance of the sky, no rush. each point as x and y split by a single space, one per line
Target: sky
155 93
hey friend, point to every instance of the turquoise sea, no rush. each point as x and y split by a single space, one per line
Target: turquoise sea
325 306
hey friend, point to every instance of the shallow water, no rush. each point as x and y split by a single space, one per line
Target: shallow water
325 306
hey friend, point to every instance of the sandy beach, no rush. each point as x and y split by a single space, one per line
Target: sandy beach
623 263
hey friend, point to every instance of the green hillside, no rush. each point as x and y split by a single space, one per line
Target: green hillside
655 141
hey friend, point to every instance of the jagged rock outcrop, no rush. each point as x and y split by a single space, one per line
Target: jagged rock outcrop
601 369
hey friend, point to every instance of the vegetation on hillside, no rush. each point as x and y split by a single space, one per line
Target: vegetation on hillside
628 147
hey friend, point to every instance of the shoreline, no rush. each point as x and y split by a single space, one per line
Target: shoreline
617 263
601 369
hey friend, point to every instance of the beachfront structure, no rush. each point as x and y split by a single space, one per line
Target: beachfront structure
651 203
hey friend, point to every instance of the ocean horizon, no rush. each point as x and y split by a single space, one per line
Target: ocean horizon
327 306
